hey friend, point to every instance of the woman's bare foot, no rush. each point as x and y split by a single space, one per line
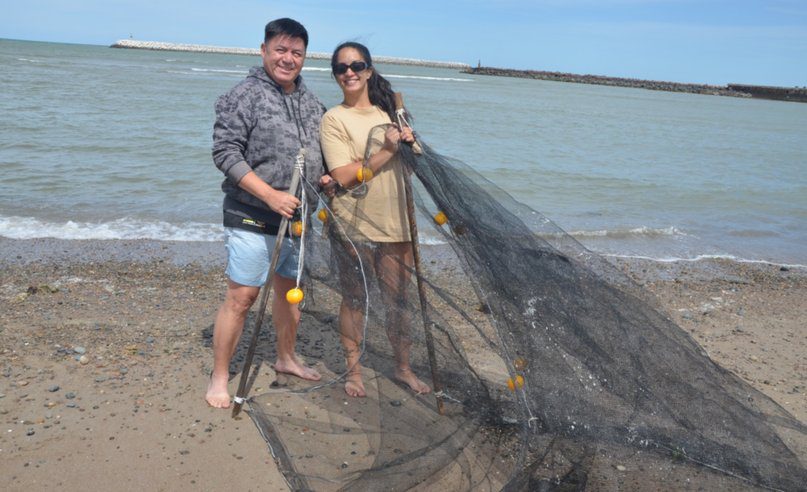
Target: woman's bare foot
297 368
217 395
409 378
355 387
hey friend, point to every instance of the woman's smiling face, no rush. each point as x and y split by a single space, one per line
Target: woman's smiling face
350 81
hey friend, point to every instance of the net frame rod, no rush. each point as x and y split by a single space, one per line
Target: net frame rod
238 400
413 233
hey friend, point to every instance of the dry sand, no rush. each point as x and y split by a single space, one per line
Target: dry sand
105 350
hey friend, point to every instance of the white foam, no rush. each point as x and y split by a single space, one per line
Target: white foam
423 77
430 240
217 70
327 69
123 228
733 258
623 233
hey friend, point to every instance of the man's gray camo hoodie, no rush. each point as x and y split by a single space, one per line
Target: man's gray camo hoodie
260 128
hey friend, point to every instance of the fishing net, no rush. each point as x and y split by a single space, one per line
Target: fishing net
549 368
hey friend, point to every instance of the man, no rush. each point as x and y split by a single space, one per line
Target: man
263 126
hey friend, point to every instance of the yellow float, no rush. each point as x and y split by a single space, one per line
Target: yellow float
517 382
364 174
440 218
294 296
297 228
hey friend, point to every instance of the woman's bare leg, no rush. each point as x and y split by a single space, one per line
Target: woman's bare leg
350 330
394 262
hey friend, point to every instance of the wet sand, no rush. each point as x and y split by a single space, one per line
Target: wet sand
105 348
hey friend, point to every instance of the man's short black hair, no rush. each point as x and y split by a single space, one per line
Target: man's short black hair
287 27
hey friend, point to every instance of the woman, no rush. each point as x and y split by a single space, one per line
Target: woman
374 220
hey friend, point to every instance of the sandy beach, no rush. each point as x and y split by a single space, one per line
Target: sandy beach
105 350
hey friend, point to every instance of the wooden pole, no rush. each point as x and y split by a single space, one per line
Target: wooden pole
239 399
413 232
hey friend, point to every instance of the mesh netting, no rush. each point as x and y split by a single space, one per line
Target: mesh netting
553 371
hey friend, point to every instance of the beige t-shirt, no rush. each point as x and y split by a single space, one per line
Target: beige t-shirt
380 215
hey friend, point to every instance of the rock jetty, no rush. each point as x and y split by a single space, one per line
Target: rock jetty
200 48
797 94
733 90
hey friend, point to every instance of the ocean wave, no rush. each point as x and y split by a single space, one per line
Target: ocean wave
327 69
628 233
429 240
424 77
124 228
736 259
397 76
29 60
217 70
246 70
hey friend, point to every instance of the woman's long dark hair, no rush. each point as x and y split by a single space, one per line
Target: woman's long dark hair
378 88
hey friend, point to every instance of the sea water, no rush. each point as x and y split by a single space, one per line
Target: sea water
101 143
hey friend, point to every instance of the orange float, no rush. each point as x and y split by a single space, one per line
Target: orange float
297 228
517 382
294 296
364 174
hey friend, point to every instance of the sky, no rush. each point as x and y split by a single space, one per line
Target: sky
701 41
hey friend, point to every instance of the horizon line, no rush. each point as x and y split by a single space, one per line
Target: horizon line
314 55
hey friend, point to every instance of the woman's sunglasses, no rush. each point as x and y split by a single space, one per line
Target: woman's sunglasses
356 66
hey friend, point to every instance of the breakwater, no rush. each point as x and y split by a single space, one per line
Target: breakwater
734 90
797 94
201 48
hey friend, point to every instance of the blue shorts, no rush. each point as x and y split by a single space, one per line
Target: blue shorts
249 254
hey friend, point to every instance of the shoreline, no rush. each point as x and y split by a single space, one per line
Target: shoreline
209 254
788 94
200 48
105 349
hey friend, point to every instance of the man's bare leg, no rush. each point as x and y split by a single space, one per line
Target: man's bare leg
226 333
287 318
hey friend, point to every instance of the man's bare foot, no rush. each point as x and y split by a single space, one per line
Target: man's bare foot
409 377
297 368
217 395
